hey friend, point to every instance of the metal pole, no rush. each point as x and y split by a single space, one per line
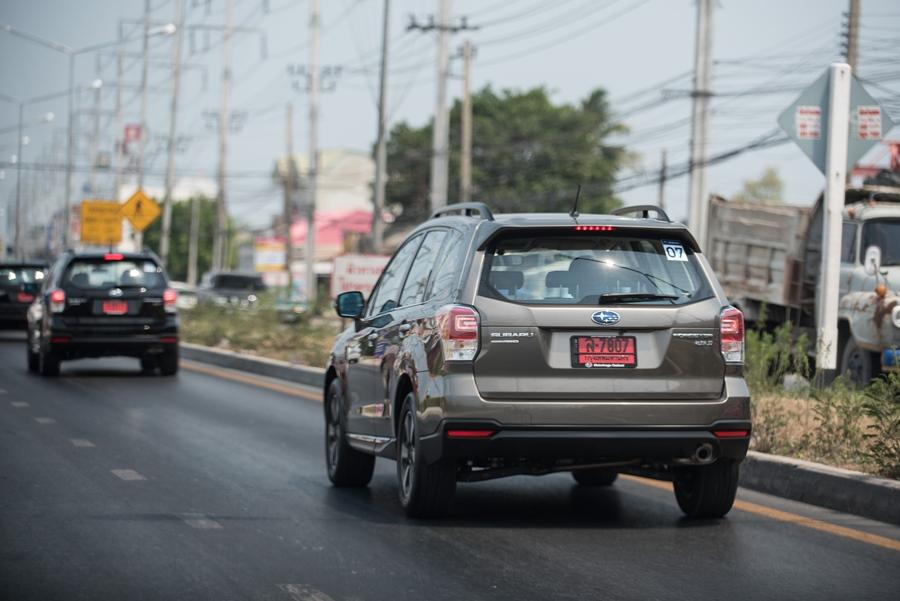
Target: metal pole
662 181
138 235
697 192
120 145
289 182
314 31
173 132
465 167
381 144
95 132
70 152
853 35
835 178
440 156
194 242
219 242
18 224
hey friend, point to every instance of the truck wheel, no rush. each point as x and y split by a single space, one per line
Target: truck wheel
857 363
599 476
346 466
168 363
707 491
48 363
425 490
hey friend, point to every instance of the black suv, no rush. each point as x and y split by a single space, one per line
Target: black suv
104 304
19 284
537 343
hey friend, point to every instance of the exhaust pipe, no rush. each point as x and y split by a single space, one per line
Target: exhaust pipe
704 454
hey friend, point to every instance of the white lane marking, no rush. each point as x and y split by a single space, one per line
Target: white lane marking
45 420
82 442
200 521
304 592
19 404
2 391
127 475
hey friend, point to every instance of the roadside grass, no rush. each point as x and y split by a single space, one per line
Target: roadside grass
260 331
838 424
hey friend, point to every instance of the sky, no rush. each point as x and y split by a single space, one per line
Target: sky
640 51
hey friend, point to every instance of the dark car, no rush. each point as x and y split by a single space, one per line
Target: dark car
231 288
538 343
104 304
20 282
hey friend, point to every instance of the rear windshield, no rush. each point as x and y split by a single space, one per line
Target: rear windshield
13 276
96 274
238 282
591 269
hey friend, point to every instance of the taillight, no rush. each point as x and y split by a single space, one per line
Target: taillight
169 298
24 297
459 332
594 228
731 335
113 257
57 301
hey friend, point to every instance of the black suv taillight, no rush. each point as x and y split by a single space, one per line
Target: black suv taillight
170 298
57 301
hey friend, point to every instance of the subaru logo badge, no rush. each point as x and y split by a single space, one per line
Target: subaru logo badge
605 318
115 292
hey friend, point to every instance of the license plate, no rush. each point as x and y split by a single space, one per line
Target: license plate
604 351
115 307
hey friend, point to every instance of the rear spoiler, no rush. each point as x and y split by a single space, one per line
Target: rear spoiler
673 232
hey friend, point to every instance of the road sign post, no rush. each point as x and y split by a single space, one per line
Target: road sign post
834 122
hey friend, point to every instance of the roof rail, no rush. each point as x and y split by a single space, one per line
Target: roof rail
645 209
465 208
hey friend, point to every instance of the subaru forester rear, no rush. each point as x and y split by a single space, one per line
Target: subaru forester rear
539 343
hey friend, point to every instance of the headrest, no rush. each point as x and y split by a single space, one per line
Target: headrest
507 280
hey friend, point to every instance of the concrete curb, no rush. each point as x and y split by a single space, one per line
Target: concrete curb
311 376
839 489
835 488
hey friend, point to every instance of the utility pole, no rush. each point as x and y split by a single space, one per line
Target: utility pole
440 156
314 31
662 182
219 242
95 132
851 52
465 167
697 192
289 181
381 144
173 131
139 235
120 146
18 224
193 242
70 150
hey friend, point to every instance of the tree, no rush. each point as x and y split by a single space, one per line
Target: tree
180 237
766 190
528 155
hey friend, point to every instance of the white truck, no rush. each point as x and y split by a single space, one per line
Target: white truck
770 255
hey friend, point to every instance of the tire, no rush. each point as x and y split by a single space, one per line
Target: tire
426 491
48 364
168 363
857 363
599 476
33 358
707 491
345 465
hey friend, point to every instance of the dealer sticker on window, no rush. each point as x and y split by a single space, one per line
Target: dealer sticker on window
674 250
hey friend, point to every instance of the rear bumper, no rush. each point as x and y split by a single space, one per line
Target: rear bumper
582 444
76 342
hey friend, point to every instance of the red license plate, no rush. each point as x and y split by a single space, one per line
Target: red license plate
115 307
604 351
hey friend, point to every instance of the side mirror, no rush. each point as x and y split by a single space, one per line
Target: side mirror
872 261
350 304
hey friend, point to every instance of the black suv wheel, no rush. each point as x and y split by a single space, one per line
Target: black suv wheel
33 358
425 490
168 363
346 466
48 363
707 491
599 476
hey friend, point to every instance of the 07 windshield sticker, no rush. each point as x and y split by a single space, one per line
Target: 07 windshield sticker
673 250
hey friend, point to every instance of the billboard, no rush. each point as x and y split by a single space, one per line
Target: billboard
268 254
356 272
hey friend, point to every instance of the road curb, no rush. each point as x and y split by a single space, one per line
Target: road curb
310 376
814 483
843 490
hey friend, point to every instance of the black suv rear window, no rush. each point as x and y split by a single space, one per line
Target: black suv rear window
593 268
97 274
16 275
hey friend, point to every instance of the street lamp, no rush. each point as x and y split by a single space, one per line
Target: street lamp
167 29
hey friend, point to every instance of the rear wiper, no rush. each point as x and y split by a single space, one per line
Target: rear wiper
626 297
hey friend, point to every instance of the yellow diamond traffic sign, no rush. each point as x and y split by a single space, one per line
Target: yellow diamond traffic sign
140 210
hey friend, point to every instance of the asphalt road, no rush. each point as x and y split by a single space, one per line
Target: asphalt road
211 485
